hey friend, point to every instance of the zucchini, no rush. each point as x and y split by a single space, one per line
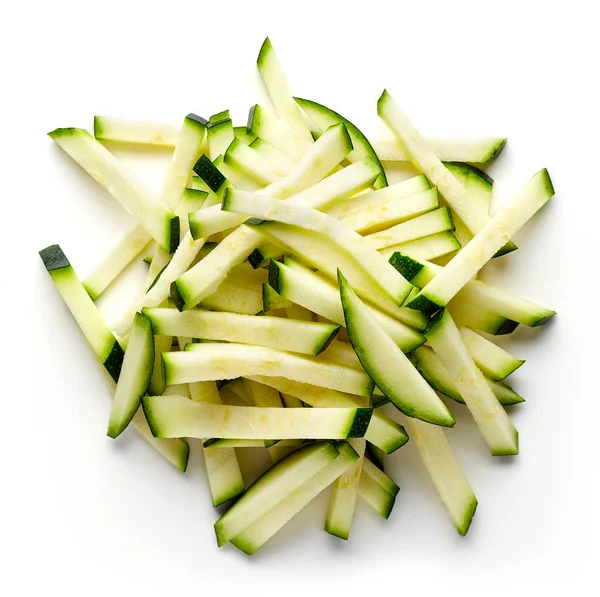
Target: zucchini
383 215
240 133
429 247
342 502
280 162
262 123
135 376
297 492
303 287
382 274
138 199
251 163
446 473
176 416
204 362
383 432
493 422
204 278
375 495
431 368
434 222
470 212
480 318
324 117
109 128
104 345
274 79
274 332
437 293
482 150
385 363
219 135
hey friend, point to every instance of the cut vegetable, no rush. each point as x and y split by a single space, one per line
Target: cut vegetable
108 128
274 332
385 363
258 533
536 192
493 422
383 275
274 78
138 199
470 212
135 376
479 151
384 432
97 333
204 362
324 117
446 473
480 318
300 285
219 134
429 247
176 416
251 163
343 497
375 495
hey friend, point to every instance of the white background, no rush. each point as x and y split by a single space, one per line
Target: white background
85 515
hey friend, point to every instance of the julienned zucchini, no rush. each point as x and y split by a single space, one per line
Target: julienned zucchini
97 333
383 432
202 362
495 426
137 198
324 117
437 293
391 370
135 375
104 344
274 332
176 416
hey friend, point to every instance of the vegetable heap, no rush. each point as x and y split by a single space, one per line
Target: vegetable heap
292 293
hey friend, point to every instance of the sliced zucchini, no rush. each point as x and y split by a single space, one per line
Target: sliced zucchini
219 117
475 292
264 124
219 134
479 150
493 422
382 274
382 216
342 502
274 332
379 477
295 499
342 353
176 416
234 299
495 362
251 163
235 176
369 200
187 151
324 117
271 300
115 262
431 368
385 363
135 376
438 220
300 285
378 498
430 247
242 135
205 362
203 279
280 162
219 444
383 432
138 199
109 128
536 192
480 318
93 326
375 455
157 383
277 86
446 473
104 345
470 212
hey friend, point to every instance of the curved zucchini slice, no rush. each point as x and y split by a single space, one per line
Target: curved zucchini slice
387 365
324 117
135 376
